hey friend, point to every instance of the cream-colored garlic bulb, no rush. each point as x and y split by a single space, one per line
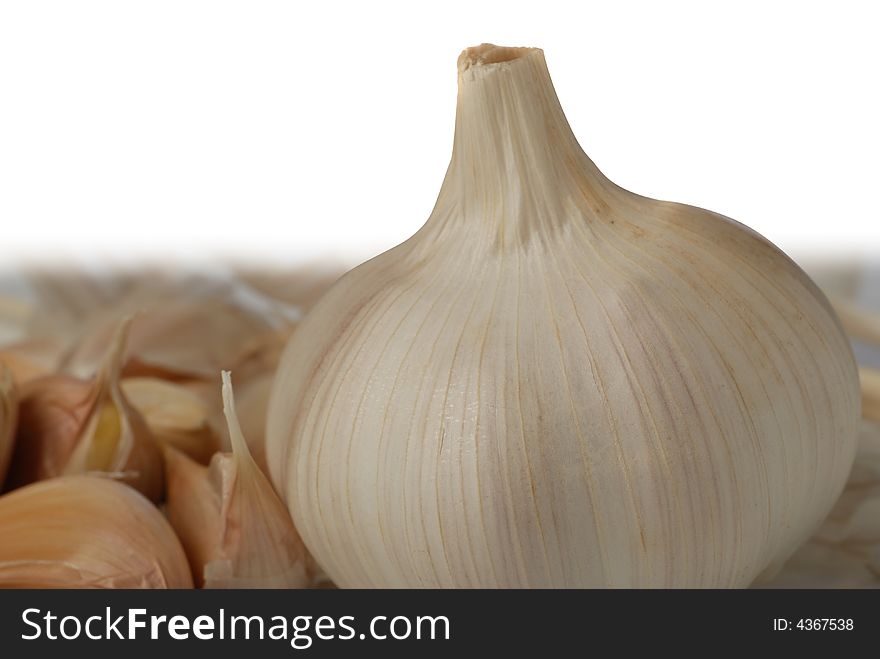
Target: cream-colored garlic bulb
87 532
559 383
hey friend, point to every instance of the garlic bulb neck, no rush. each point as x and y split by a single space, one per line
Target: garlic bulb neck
508 112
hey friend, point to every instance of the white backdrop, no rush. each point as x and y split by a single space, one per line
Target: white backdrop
281 131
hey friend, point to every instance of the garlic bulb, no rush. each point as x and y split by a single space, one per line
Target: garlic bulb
8 419
234 528
87 532
559 383
70 426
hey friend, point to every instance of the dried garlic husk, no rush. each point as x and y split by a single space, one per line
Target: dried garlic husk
87 532
559 383
236 531
8 419
71 426
176 416
177 339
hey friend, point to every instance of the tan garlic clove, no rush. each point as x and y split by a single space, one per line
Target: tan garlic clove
8 419
69 426
193 505
181 339
177 416
87 532
236 531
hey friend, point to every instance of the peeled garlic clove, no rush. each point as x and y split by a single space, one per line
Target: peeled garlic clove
175 415
68 426
559 383
180 339
87 532
8 419
235 529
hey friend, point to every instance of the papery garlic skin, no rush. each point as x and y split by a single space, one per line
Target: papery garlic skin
559 383
87 532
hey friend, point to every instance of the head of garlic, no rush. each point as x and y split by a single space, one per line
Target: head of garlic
71 426
236 532
559 383
87 532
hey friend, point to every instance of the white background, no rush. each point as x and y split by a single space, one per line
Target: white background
280 131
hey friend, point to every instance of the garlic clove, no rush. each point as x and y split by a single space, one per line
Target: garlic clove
53 412
235 529
176 416
177 339
87 532
69 426
8 419
193 506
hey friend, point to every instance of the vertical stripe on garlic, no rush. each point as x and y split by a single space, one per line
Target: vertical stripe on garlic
87 532
70 426
236 532
557 382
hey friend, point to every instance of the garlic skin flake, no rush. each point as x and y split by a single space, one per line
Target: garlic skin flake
87 532
236 532
558 383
